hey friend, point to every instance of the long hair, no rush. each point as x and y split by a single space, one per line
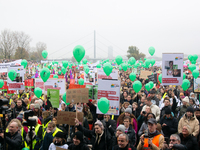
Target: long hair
62 142
121 118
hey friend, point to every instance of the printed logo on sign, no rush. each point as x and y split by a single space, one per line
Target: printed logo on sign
178 58
114 85
59 81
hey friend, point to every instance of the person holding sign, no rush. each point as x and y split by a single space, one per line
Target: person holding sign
100 137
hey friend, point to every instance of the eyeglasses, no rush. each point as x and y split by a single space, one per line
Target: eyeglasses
173 140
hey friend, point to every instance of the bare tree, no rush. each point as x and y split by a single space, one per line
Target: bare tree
40 46
7 43
22 42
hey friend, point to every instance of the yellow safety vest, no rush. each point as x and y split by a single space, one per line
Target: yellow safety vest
45 126
42 97
56 131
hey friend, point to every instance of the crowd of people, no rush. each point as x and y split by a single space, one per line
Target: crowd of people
166 117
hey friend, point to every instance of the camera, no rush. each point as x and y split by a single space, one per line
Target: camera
144 112
29 121
3 108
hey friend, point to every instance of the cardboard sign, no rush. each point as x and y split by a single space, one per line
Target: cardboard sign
77 95
67 117
76 86
144 74
58 148
153 78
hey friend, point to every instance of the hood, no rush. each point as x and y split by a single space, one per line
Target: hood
192 118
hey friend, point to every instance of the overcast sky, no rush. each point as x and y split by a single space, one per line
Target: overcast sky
169 26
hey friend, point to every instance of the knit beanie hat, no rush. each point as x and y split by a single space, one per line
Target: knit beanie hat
100 124
79 135
36 106
20 117
167 111
190 109
122 128
186 99
60 135
128 110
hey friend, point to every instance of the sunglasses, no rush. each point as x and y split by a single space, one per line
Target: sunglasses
173 140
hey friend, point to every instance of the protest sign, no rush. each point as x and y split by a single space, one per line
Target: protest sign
102 75
77 95
197 85
111 90
4 66
55 84
53 95
39 83
144 74
93 91
67 117
89 79
153 78
18 82
172 68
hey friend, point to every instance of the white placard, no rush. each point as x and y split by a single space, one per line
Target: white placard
172 68
102 75
18 82
4 66
51 84
111 90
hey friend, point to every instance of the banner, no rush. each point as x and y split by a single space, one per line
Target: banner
4 66
76 86
77 95
197 85
172 68
18 82
29 83
39 83
102 75
53 95
111 90
153 78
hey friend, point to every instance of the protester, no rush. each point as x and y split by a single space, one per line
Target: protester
152 138
58 141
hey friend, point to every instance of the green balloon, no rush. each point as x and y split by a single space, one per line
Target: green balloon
145 58
55 76
184 76
63 70
147 86
24 63
107 68
103 105
44 54
45 74
65 64
195 73
132 76
151 84
192 67
64 98
25 148
80 81
85 61
118 59
132 60
137 85
38 92
195 57
151 50
1 83
98 66
79 53
12 74
120 68
147 62
59 72
193 62
152 62
190 57
86 69
124 67
160 78
49 66
185 84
